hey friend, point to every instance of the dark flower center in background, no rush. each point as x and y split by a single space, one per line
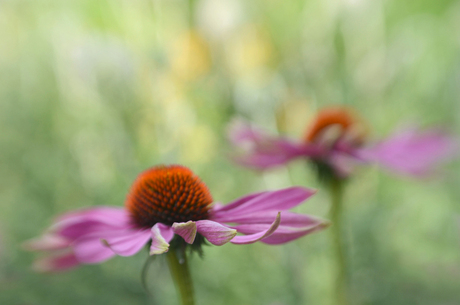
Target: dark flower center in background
168 194
338 122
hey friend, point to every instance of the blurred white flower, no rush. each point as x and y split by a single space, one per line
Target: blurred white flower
99 55
218 18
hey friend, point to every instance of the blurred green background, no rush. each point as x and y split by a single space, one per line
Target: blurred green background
94 91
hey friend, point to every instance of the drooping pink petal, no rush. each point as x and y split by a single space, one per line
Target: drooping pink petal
126 242
279 200
283 234
187 230
261 151
56 263
159 244
216 233
266 217
413 152
166 231
252 238
47 242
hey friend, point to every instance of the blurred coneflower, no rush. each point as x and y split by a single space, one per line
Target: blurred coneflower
170 209
337 140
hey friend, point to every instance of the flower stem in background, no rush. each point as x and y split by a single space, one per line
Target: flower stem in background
340 285
145 269
177 262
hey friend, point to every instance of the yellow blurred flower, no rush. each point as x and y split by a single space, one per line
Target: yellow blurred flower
248 50
190 56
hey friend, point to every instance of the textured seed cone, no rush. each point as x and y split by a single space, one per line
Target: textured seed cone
168 194
348 123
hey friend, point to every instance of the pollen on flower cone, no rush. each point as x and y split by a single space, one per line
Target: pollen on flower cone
168 194
340 116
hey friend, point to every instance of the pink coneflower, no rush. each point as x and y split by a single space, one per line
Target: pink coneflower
337 140
166 202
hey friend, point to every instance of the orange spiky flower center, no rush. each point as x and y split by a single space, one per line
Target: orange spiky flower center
345 122
168 194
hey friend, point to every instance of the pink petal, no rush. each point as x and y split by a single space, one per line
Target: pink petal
252 238
412 151
75 224
280 200
81 232
47 242
185 229
240 132
91 250
236 203
56 263
217 205
126 242
263 151
284 237
166 232
343 164
214 232
266 217
283 234
159 244
274 152
104 214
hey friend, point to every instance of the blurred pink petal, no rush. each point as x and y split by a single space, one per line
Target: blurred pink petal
413 151
261 151
56 263
47 242
343 164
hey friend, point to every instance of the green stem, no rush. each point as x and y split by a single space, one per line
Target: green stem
180 273
336 192
145 269
191 13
